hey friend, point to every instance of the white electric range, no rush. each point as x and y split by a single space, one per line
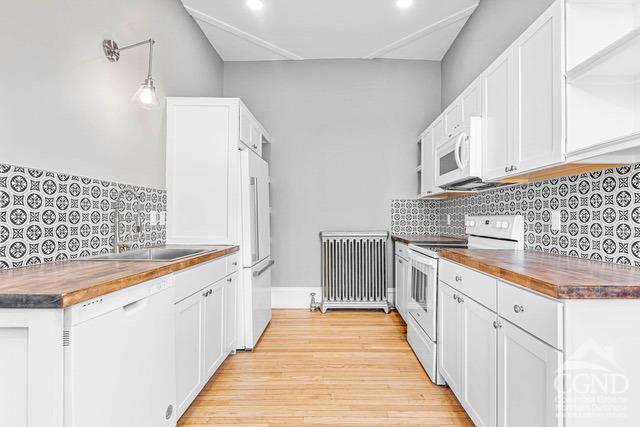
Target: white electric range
483 232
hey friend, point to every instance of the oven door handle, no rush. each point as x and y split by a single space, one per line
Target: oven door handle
415 256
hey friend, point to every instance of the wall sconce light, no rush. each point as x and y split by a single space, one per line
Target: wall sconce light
146 93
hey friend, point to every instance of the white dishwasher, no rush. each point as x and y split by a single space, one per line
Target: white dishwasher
119 361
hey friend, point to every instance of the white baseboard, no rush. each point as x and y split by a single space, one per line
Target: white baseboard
299 297
293 296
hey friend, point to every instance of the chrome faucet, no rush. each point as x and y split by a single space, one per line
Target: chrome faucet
118 245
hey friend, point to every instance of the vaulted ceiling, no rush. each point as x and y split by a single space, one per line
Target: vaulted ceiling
315 29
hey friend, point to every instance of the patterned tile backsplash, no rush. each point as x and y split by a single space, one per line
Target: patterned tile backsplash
599 211
47 216
414 216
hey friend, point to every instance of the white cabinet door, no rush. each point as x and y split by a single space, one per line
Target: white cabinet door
453 118
438 130
428 164
202 169
527 388
479 363
400 287
245 126
450 337
256 139
189 350
471 100
230 301
538 86
497 125
213 328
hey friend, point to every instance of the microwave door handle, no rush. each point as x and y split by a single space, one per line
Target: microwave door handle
456 151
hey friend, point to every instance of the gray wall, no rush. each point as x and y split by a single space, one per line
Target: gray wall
64 108
345 144
491 29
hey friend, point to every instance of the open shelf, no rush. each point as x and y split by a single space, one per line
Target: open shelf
619 62
592 25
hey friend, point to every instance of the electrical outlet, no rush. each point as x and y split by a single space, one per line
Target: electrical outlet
162 218
448 219
555 220
153 218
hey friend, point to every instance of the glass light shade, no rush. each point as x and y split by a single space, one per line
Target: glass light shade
146 95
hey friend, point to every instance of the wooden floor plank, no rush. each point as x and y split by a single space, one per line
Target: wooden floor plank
342 368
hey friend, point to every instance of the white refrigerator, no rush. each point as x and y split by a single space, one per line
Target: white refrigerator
254 312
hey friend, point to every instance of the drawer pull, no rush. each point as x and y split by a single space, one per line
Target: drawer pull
518 308
458 278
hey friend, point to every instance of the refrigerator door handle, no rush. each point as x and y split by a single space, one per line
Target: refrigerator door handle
263 269
255 238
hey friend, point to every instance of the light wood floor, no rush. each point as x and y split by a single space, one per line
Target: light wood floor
333 369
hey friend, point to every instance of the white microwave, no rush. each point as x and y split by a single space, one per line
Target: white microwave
458 160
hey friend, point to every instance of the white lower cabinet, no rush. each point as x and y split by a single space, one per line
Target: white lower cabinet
205 329
467 353
401 296
213 328
450 337
528 393
502 374
230 312
189 350
478 350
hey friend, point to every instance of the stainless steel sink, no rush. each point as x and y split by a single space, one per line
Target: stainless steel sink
150 254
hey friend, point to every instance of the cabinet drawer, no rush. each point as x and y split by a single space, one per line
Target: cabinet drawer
536 314
196 278
402 250
472 283
233 262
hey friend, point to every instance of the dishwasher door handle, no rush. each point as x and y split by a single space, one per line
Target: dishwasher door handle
136 306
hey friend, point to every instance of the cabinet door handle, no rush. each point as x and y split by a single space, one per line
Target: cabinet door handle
497 324
518 308
460 300
229 280
455 297
506 168
458 278
255 146
400 261
235 263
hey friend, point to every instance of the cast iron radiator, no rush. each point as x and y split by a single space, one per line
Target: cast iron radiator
354 269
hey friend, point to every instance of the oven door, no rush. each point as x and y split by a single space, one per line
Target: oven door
423 291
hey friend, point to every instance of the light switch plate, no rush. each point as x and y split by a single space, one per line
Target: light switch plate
448 219
153 218
162 218
555 220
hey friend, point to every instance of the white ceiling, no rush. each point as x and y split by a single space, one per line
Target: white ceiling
315 29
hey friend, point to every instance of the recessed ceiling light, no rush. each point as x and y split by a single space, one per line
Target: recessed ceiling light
403 4
255 4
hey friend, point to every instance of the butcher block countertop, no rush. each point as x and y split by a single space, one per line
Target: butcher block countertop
426 238
557 276
65 283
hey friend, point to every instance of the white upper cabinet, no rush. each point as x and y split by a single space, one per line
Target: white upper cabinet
538 139
428 172
523 102
497 123
202 159
203 163
453 119
471 101
438 130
